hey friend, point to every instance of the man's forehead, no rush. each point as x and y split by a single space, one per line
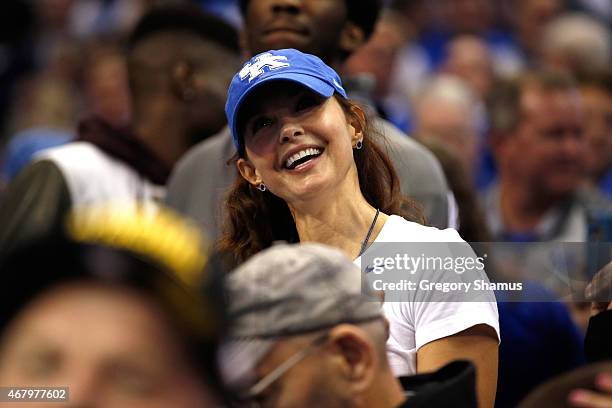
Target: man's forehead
535 99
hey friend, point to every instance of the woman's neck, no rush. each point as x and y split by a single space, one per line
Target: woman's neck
341 222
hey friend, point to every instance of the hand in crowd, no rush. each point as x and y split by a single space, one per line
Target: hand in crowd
599 292
594 399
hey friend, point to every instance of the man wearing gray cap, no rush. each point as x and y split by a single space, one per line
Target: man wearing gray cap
305 334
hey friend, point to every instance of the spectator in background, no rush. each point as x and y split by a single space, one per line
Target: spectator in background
451 18
468 57
596 92
50 97
447 19
449 112
416 37
105 83
539 332
173 53
114 307
575 43
43 117
528 19
405 66
55 49
331 30
590 386
81 20
46 118
537 127
47 101
375 60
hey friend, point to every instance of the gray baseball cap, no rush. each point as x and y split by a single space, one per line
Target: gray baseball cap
290 290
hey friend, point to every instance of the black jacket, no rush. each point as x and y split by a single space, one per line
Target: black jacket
452 386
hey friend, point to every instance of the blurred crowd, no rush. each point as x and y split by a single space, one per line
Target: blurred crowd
498 120
63 60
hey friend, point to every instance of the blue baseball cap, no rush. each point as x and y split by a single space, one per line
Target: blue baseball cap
287 64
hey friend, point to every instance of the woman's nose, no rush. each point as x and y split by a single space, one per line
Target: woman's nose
289 130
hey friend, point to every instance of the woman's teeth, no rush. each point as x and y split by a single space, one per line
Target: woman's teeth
300 155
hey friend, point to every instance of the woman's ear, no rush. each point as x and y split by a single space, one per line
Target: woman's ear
357 121
248 172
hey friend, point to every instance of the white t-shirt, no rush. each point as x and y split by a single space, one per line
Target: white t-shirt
416 323
93 177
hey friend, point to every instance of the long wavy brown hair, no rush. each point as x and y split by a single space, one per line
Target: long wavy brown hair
255 219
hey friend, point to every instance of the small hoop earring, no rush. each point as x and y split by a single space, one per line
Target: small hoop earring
262 187
359 144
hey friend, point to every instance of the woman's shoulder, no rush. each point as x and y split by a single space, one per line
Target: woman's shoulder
398 229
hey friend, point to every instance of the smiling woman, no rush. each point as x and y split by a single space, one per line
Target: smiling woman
312 170
301 139
301 145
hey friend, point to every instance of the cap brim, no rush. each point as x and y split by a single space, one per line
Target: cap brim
315 84
238 359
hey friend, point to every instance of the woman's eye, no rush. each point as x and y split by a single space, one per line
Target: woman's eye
306 101
260 123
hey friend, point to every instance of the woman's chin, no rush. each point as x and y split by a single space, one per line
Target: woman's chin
306 190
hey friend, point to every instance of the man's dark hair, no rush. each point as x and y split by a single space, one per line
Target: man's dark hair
504 104
185 18
364 13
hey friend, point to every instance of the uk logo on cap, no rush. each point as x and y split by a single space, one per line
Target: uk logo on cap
252 70
275 65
